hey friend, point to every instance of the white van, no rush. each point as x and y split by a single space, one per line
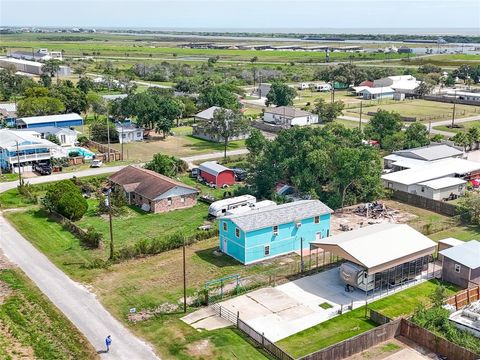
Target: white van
303 86
220 207
323 87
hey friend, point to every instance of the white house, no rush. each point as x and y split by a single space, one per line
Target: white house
409 158
434 179
288 116
129 132
24 149
65 136
405 84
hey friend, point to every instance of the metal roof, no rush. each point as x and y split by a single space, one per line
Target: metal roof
379 245
430 152
279 214
443 183
10 107
9 139
50 118
466 254
378 90
207 114
114 96
212 167
451 241
433 170
49 130
287 111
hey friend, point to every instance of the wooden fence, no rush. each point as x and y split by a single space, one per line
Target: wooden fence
434 343
260 340
357 343
115 154
440 207
464 297
377 317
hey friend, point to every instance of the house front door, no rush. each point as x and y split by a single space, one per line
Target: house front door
224 245
318 236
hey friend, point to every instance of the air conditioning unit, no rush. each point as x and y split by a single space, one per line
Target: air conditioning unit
298 223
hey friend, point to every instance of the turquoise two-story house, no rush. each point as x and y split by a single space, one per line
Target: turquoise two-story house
264 233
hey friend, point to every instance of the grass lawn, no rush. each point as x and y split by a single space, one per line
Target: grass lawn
32 327
178 145
464 127
422 109
464 233
348 124
11 199
8 177
136 224
354 322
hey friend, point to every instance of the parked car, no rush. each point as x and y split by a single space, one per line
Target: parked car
96 163
43 169
194 173
240 174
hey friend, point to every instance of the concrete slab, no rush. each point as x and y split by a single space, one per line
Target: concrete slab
198 315
247 307
273 299
212 323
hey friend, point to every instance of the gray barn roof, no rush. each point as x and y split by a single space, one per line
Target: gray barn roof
431 152
279 214
466 254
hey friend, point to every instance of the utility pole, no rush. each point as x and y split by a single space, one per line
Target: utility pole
454 103
360 120
18 165
108 137
184 280
122 139
110 223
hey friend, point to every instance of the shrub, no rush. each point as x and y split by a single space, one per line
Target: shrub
73 153
66 199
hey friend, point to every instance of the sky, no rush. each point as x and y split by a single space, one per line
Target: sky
243 14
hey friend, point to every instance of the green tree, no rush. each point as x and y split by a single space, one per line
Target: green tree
65 198
461 139
46 80
35 106
225 125
327 112
416 135
218 95
424 89
395 142
281 94
99 131
85 84
166 165
382 124
96 104
468 207
74 99
256 144
52 138
473 136
51 67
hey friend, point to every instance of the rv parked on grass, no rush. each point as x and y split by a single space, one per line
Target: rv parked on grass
220 208
323 87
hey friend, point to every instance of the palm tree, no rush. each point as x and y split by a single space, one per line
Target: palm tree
473 135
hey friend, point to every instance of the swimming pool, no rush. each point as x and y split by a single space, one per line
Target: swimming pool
87 154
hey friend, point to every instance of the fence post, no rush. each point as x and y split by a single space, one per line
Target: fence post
263 340
238 317
220 308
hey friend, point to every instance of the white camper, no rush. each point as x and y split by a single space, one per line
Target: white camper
220 207
323 87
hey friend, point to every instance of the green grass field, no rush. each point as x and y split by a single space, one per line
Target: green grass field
464 127
178 145
31 327
354 322
121 47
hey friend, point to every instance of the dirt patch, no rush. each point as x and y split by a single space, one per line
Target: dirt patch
397 348
13 347
200 349
349 218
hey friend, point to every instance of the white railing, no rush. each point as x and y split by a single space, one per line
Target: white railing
29 157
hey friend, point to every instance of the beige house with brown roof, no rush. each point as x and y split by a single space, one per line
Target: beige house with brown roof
153 192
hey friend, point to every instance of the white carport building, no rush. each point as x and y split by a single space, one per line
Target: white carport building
380 256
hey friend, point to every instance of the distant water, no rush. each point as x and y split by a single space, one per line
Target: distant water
400 31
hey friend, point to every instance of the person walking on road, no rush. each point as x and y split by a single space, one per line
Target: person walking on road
108 342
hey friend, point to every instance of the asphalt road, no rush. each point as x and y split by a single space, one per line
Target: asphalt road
73 299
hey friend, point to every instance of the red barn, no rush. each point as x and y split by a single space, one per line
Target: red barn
217 174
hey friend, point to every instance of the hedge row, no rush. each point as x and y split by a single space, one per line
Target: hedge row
90 238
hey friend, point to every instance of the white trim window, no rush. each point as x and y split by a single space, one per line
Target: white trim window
316 219
457 268
237 232
266 250
225 226
275 230
169 201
